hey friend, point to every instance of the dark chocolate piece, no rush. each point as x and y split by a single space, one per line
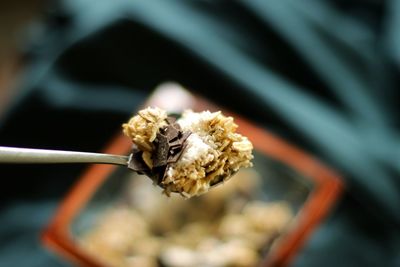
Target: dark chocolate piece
160 155
176 126
136 162
171 133
169 145
175 143
159 174
171 120
180 140
185 136
176 156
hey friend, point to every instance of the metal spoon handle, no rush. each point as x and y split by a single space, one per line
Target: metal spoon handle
29 155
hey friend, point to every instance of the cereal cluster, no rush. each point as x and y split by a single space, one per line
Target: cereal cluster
143 128
189 155
215 152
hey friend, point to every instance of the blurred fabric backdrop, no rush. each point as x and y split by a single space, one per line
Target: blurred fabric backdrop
324 75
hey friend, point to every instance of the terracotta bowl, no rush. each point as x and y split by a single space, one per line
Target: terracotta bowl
288 173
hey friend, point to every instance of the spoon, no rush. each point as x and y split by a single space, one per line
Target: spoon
16 155
44 156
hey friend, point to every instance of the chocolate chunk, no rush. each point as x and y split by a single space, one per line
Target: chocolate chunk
176 126
180 140
161 138
169 145
176 156
137 165
185 136
171 120
176 142
172 133
160 155
136 162
159 174
174 150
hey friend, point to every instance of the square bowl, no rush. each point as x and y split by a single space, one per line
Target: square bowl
284 197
